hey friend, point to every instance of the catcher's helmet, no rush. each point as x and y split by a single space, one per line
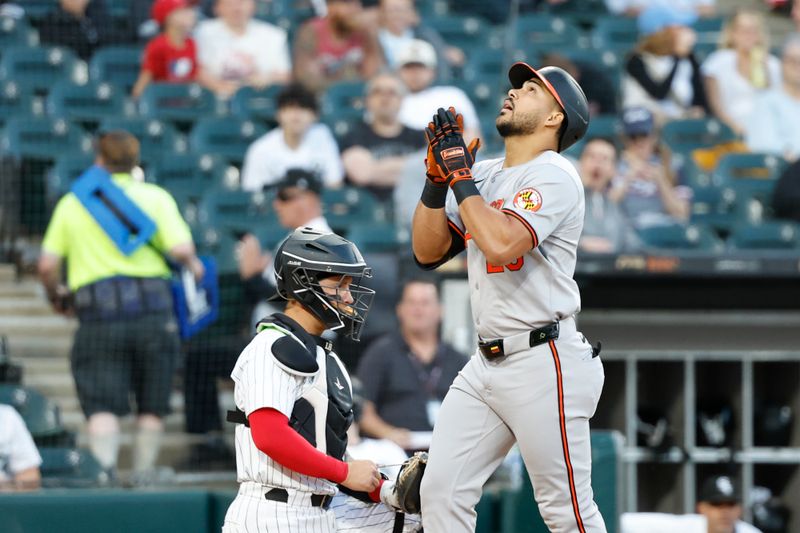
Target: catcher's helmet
307 256
567 93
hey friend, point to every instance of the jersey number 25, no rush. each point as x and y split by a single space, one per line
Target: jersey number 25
513 267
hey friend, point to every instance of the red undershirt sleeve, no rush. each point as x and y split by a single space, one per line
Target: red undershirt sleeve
273 436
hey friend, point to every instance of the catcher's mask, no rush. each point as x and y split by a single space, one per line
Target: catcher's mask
325 273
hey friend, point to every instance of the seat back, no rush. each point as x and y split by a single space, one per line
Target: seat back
15 101
119 65
88 103
43 138
72 468
177 102
684 135
691 237
348 206
256 104
157 139
38 69
618 34
41 416
227 137
765 236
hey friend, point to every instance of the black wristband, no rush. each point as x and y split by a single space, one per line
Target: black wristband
463 189
434 196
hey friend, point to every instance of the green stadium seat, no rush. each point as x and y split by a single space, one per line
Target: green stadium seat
119 65
376 237
36 9
157 139
713 206
237 211
617 34
16 32
71 468
344 99
227 137
177 102
461 31
348 206
254 104
38 69
541 31
684 135
194 173
765 236
60 177
87 104
679 237
607 126
708 29
748 171
15 101
41 415
43 138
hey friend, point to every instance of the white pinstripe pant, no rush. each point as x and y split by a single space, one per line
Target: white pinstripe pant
250 512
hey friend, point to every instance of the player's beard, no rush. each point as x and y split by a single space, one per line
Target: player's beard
518 124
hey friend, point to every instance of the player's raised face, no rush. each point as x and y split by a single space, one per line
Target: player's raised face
526 109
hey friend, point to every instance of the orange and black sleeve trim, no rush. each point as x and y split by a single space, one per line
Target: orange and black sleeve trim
525 223
458 244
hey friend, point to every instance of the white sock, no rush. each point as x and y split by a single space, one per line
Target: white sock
105 448
146 446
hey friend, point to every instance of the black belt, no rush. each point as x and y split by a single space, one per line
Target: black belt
501 347
281 495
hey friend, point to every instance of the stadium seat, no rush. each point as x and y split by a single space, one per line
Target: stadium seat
119 65
36 9
177 102
708 29
376 237
748 171
607 126
194 173
683 136
43 138
347 206
237 211
713 206
41 415
157 139
15 32
344 100
38 69
71 468
679 237
60 177
87 104
541 31
253 104
765 236
14 101
461 31
227 137
617 34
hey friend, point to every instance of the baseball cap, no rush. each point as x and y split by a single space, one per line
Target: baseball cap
637 121
658 16
162 8
419 52
300 178
719 489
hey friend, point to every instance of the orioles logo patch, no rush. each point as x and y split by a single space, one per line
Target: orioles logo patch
528 199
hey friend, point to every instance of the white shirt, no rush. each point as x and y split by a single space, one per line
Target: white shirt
418 108
262 49
618 6
773 126
737 95
268 158
17 450
672 523
537 288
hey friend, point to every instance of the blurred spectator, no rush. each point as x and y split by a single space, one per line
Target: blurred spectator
336 47
605 228
644 186
773 127
299 141
417 63
594 81
375 150
408 188
740 69
786 196
663 73
19 458
172 55
406 374
127 339
236 50
297 203
400 24
719 509
80 25
632 8
11 9
795 14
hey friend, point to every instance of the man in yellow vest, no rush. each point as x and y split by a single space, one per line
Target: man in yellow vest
127 341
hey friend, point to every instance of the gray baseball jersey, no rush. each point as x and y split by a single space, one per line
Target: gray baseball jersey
546 195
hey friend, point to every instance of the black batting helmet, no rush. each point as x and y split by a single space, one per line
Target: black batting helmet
307 256
567 93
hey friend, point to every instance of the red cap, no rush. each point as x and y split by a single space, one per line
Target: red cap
162 8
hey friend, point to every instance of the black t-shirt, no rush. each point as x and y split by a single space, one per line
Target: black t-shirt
399 384
83 35
406 142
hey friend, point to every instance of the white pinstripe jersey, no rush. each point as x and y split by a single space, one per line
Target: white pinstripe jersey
260 381
546 195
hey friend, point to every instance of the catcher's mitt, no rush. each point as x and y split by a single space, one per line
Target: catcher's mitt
406 487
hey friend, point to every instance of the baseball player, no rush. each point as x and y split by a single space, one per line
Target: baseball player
294 396
534 379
